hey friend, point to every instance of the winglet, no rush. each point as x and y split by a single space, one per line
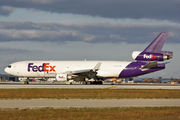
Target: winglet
97 67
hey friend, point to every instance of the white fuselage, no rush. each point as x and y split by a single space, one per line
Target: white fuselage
51 68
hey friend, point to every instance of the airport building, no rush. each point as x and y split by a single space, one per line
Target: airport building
8 78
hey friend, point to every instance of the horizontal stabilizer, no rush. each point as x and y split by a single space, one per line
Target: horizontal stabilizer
150 65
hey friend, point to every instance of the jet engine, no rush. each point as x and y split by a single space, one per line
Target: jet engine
147 56
63 77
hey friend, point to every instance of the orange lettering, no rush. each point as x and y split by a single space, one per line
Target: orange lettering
153 56
45 67
52 68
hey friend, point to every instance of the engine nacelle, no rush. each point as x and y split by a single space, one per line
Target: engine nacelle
147 56
63 77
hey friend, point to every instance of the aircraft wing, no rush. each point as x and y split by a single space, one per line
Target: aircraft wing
85 71
157 44
78 71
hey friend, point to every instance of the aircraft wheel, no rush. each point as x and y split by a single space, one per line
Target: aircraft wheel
26 82
97 82
84 82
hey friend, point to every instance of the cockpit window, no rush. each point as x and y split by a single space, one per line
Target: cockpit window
9 66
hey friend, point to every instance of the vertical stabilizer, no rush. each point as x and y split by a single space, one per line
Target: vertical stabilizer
157 45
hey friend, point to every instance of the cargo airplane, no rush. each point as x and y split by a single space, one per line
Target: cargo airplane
84 71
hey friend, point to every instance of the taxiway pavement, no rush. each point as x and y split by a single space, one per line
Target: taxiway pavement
80 103
6 85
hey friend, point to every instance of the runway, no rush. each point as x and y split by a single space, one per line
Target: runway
80 103
66 103
5 85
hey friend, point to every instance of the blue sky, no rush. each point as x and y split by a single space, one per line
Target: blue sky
92 30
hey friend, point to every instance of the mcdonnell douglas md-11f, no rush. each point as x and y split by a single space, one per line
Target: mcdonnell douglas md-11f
146 62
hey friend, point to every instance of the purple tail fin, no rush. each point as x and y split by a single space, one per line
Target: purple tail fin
153 51
147 61
157 44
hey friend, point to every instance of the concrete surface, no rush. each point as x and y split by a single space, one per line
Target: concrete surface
75 86
66 103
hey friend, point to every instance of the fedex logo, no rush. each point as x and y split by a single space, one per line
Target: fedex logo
151 56
45 67
62 77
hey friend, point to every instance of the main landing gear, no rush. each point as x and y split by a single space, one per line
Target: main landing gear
95 82
27 81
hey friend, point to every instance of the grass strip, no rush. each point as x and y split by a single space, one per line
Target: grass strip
88 93
146 113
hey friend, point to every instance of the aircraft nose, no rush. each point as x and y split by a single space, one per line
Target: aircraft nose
7 70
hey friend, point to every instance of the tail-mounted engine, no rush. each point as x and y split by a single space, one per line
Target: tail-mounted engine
147 56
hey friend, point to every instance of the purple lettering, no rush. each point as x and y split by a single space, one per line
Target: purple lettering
29 66
35 68
42 68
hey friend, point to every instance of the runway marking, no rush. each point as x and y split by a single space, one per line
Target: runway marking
110 87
